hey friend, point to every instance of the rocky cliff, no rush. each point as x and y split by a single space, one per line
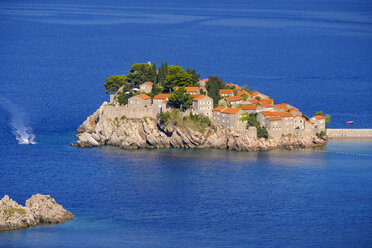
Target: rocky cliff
38 209
100 129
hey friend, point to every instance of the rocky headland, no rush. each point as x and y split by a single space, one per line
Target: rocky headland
38 209
104 128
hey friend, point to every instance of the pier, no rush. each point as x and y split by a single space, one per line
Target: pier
349 133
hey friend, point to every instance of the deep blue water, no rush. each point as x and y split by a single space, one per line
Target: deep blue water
316 55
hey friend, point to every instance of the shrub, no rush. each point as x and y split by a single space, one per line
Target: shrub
321 134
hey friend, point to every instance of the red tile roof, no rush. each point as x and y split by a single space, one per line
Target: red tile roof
249 107
234 98
300 117
266 105
282 106
274 118
219 108
285 114
162 96
254 101
319 117
197 97
144 97
226 91
230 110
270 101
189 89
149 83
243 92
269 113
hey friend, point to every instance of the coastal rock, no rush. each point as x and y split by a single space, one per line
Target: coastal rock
38 209
132 133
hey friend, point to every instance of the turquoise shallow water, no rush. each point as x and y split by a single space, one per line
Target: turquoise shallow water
55 56
194 198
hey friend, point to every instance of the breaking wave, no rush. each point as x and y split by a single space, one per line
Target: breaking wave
18 124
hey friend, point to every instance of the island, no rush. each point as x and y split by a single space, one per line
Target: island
38 209
168 107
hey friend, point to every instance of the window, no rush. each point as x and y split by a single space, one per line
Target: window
201 102
131 101
209 103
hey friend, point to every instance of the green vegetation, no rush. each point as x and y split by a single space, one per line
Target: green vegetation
122 97
180 99
251 120
113 83
195 122
327 117
165 79
321 134
11 211
178 77
214 84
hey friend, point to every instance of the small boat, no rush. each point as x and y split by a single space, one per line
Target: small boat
350 122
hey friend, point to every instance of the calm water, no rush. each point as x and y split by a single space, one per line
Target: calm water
54 57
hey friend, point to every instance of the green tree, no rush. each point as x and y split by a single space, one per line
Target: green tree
140 67
251 120
195 76
180 99
214 84
177 77
156 89
326 117
113 83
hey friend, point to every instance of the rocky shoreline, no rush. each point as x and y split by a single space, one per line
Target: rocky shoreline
102 129
38 209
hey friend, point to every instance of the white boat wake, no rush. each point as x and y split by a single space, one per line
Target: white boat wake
18 124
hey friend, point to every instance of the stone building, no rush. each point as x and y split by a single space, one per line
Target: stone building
146 87
319 123
251 109
228 117
233 100
226 92
202 105
274 126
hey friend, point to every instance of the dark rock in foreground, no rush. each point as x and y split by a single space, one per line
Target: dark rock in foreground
38 209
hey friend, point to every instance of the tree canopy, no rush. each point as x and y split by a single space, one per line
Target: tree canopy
177 77
180 99
113 83
214 84
327 117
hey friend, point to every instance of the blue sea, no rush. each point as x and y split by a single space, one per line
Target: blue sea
315 55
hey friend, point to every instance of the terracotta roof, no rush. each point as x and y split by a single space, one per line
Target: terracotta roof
237 87
204 87
254 93
294 109
300 117
219 108
269 113
157 72
265 104
162 96
144 97
197 97
149 83
206 79
234 98
270 101
226 91
274 118
285 114
282 106
319 117
254 101
189 89
249 107
231 84
230 110
243 92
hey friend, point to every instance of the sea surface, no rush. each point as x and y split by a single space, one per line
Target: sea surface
316 55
